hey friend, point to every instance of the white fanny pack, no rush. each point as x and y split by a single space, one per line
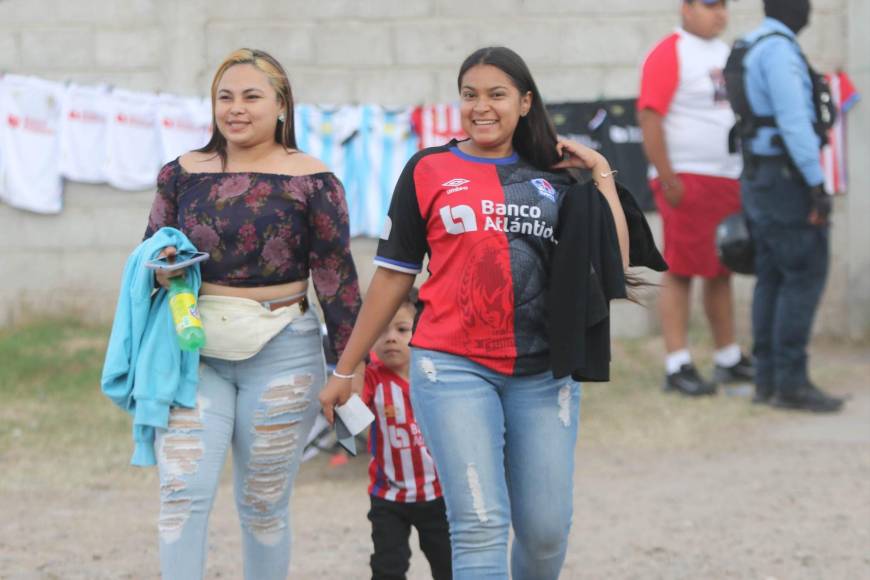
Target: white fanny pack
238 328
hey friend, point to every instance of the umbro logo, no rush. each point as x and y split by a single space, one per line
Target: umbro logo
457 184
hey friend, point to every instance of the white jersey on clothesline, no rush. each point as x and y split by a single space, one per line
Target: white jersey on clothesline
84 119
30 110
184 124
132 141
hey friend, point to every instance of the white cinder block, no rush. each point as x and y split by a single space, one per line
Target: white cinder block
435 42
353 44
129 48
289 43
321 85
9 55
393 87
56 48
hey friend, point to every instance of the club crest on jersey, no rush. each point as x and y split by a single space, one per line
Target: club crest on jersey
545 188
454 185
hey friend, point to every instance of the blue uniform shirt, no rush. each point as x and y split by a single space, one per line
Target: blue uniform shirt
778 84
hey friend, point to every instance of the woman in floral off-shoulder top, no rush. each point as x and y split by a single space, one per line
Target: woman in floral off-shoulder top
268 215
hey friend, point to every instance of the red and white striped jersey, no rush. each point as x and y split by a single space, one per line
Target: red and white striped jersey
437 124
834 153
401 468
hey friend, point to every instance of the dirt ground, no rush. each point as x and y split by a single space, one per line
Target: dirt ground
764 495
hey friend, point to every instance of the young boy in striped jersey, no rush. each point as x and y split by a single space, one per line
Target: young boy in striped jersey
404 487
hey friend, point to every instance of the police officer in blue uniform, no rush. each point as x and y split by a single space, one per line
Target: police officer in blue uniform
787 208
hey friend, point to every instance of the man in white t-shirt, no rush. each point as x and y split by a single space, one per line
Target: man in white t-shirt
685 117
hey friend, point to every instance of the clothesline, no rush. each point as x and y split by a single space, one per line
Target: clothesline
51 131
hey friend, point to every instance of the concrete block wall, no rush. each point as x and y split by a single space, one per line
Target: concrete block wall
853 249
392 52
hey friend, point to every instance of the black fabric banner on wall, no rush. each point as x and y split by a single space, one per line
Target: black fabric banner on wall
610 126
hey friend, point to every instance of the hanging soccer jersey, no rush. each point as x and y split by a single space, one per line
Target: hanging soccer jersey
132 141
610 126
437 124
184 124
83 133
30 110
834 153
383 145
488 227
325 133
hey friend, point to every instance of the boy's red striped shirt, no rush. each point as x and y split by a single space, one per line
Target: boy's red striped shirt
401 468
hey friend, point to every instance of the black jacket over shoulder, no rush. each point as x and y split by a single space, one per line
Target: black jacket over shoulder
586 273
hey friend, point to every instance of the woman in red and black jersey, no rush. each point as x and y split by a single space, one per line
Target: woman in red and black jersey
500 427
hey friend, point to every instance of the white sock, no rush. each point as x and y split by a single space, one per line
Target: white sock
728 356
677 359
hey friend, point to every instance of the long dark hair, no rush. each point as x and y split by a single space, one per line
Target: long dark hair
285 133
535 136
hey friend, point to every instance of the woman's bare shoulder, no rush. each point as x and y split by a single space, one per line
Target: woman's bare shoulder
299 163
197 162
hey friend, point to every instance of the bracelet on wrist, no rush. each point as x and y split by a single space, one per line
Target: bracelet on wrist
339 375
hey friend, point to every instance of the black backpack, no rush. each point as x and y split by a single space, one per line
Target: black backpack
748 123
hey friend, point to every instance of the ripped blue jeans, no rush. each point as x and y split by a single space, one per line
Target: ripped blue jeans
504 450
264 407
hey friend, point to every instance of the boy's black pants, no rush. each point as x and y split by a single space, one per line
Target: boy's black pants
391 530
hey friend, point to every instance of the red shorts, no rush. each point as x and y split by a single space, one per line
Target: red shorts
690 228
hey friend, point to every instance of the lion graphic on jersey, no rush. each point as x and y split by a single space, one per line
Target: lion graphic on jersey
485 295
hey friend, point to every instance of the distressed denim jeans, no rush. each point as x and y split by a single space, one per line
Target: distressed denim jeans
504 450
264 407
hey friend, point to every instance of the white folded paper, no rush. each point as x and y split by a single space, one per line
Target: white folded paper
355 415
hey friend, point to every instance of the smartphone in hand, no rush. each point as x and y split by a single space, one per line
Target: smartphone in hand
180 261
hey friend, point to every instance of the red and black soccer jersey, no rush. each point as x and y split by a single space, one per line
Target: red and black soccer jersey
487 225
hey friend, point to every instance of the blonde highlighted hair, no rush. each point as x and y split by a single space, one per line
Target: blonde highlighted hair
285 133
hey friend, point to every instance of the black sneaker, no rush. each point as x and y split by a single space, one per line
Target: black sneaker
688 382
808 398
742 372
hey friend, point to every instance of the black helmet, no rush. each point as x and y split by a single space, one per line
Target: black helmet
734 244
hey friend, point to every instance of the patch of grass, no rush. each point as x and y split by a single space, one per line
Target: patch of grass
51 360
53 412
631 411
57 427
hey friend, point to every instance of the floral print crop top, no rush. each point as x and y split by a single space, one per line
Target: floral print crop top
263 229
